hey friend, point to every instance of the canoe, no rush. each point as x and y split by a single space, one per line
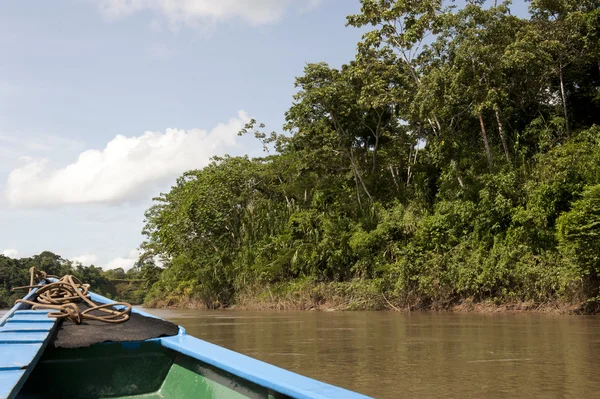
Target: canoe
177 366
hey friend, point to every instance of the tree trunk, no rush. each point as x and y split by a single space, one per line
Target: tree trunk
418 82
408 174
357 189
437 122
564 99
485 141
501 133
375 149
357 175
458 176
394 178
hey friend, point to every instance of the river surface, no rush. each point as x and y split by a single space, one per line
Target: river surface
417 355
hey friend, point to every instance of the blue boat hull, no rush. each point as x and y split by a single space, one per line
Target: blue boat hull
179 366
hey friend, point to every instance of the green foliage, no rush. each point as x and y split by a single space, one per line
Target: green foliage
579 232
115 284
456 158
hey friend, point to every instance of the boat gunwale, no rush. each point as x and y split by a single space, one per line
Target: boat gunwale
20 381
245 367
253 370
18 306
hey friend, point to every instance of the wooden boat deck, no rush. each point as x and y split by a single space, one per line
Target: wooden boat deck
24 335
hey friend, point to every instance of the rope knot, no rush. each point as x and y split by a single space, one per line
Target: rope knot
64 296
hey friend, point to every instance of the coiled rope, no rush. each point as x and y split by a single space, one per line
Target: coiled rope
64 296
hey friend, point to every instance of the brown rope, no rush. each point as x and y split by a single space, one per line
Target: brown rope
64 295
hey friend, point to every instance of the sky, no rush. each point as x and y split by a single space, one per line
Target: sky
104 103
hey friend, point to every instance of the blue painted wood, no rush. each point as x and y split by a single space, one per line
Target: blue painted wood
18 356
245 367
37 317
8 380
33 326
24 335
31 311
261 373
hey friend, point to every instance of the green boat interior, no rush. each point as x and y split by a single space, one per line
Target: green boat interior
132 370
126 353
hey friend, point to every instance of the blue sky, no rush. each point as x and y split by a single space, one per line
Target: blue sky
103 103
89 89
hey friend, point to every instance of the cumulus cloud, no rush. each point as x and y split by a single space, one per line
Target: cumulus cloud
126 262
202 12
11 253
127 169
85 259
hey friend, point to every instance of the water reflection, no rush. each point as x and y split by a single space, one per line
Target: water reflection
391 355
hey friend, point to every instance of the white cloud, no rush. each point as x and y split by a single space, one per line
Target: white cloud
126 262
85 259
199 13
127 169
11 253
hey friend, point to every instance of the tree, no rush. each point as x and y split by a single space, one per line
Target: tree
403 26
579 232
447 161
562 23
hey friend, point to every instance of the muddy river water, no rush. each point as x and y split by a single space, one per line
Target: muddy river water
417 355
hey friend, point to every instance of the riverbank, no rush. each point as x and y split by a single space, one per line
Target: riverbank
367 295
